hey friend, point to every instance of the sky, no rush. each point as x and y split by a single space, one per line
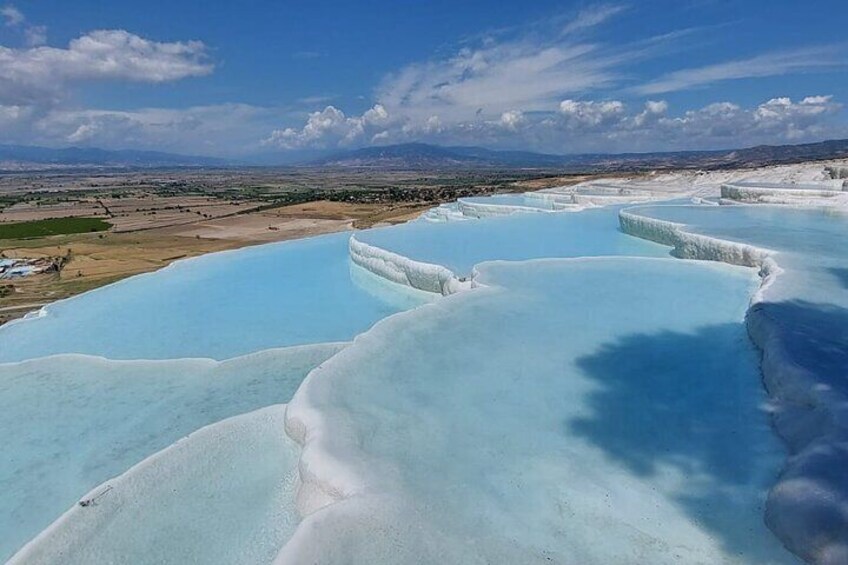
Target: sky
278 80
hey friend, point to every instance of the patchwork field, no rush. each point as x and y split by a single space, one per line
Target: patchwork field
52 226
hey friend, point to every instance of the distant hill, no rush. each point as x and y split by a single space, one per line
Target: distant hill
423 156
406 156
24 157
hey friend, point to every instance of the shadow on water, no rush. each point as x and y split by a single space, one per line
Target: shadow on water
841 274
815 336
691 401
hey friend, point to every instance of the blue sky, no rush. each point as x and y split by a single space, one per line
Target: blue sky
291 78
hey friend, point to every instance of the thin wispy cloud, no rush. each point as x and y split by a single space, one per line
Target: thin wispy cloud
219 129
305 55
593 16
34 35
496 78
12 16
316 99
527 71
770 64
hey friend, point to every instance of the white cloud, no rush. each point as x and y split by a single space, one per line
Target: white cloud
538 89
35 35
797 120
725 124
590 115
512 119
770 64
34 73
592 16
496 78
14 116
330 127
654 111
494 87
525 69
222 129
590 126
12 16
36 82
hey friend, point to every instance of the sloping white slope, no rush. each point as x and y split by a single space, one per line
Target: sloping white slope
68 423
224 494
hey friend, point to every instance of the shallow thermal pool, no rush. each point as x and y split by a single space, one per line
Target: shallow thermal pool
68 423
583 410
224 494
574 411
801 324
461 245
811 233
216 306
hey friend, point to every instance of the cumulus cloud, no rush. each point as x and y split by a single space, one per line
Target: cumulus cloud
588 126
512 120
36 83
38 73
590 115
330 127
724 124
654 111
796 120
13 116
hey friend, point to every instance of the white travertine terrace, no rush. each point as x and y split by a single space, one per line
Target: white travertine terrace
405 271
777 193
472 209
689 245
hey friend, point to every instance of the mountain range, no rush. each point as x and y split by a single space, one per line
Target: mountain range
421 156
26 157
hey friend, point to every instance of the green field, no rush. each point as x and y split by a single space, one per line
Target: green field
54 226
